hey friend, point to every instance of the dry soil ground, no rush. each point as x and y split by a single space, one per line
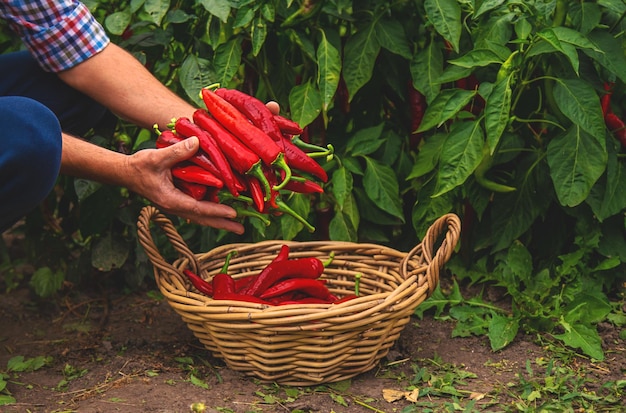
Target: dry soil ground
132 353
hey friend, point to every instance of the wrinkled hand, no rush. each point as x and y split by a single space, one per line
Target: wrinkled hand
153 180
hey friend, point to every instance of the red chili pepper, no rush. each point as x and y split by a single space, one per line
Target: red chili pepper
273 180
196 191
242 159
255 110
287 126
303 186
283 255
616 126
200 158
309 267
251 136
223 283
200 283
256 192
311 287
417 108
187 128
301 161
194 173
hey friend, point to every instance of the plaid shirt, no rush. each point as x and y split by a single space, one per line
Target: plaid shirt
59 34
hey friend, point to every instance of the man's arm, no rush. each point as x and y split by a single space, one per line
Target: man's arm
118 81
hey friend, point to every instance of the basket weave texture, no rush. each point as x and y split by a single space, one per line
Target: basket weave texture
304 344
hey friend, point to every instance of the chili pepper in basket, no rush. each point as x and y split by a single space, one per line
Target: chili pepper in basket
309 267
194 190
200 158
242 159
255 110
251 136
283 255
287 126
222 282
196 174
308 286
187 128
198 282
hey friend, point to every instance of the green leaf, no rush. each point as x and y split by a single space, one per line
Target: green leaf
365 141
580 103
485 6
608 195
584 337
156 9
45 282
196 73
381 185
109 252
426 69
392 37
342 183
588 307
612 56
550 36
198 382
477 58
445 15
6 400
471 320
289 225
502 331
498 112
428 156
576 162
117 22
328 70
360 52
341 228
461 154
518 210
258 34
447 104
227 60
218 8
305 101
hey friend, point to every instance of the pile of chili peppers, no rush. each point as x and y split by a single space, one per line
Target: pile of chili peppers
283 281
248 156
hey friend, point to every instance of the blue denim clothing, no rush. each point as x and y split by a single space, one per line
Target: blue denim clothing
35 106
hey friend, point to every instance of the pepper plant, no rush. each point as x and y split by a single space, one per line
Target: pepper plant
489 109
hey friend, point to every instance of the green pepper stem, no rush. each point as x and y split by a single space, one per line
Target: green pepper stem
257 171
224 269
244 212
281 163
283 207
357 283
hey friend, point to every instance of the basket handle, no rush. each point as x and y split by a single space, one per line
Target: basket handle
150 213
448 226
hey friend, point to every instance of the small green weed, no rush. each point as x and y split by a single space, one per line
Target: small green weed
15 365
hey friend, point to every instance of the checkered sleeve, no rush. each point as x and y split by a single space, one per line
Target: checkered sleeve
59 34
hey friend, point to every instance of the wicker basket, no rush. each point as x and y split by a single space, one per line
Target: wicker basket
303 344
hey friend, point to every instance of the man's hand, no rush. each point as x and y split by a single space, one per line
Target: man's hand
153 180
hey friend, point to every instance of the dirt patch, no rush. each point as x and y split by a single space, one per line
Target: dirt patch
133 353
